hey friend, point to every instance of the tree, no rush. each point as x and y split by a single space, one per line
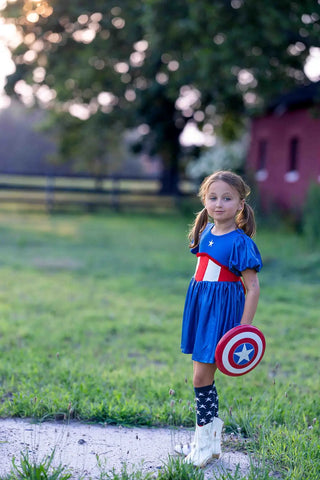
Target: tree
160 63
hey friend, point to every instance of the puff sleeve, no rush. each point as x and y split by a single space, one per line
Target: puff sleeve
194 250
244 254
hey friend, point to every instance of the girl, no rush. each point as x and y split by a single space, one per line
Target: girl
223 293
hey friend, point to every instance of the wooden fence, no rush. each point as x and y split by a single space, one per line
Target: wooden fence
115 192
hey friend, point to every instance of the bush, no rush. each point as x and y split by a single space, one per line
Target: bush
222 156
310 220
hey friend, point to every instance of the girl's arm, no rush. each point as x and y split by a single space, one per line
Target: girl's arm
251 282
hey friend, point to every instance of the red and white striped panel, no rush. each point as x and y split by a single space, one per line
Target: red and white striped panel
207 270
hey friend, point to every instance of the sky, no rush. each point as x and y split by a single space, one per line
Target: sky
8 37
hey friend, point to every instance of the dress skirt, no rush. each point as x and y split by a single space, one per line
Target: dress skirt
211 309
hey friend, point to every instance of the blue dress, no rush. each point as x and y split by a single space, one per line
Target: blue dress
215 298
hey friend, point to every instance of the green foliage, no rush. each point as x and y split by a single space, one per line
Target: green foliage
294 451
29 470
310 219
256 472
124 474
176 469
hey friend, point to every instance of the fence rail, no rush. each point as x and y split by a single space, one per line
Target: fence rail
116 192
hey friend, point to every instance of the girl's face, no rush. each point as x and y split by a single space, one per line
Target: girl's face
223 202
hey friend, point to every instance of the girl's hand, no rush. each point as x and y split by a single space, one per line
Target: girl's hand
251 282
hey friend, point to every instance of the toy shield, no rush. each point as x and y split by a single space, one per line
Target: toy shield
240 350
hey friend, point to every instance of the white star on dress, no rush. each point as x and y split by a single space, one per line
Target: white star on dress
210 243
244 354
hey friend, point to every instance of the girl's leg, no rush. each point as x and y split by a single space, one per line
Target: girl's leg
206 399
205 392
203 374
207 438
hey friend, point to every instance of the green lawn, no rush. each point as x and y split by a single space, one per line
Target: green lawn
90 324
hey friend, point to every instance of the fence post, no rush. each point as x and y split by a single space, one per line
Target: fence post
49 193
115 186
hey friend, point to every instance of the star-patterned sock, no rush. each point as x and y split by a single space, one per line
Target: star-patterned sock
215 400
205 404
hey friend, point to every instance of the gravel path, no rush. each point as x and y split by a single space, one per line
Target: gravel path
78 445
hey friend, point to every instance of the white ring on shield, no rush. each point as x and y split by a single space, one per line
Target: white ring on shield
240 336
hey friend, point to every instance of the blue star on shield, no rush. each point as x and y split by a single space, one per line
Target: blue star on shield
243 354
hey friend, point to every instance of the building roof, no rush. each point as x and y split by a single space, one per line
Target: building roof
301 97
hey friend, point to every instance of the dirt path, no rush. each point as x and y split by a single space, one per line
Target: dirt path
78 445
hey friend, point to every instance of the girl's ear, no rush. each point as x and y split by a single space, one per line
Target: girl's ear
242 202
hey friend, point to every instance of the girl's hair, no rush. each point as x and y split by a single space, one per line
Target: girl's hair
244 219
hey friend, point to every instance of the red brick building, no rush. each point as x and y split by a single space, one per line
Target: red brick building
284 152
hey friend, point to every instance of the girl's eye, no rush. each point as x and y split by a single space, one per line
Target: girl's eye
227 198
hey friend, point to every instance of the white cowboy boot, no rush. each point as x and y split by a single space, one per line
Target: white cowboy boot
217 425
186 448
201 453
207 444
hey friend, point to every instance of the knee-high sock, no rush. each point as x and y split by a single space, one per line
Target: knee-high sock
215 400
205 404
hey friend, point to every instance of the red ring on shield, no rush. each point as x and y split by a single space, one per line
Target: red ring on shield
240 350
232 352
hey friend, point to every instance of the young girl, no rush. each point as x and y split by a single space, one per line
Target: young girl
223 293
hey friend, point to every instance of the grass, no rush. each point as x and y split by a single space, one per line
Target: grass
84 302
26 469
90 318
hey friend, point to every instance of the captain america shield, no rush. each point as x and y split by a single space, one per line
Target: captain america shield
240 350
